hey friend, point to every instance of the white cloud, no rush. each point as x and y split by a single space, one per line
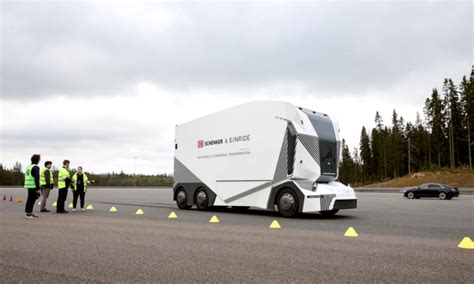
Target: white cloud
104 134
100 84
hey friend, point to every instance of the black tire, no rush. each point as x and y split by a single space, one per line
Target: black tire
411 195
182 199
329 212
201 199
287 202
442 195
449 197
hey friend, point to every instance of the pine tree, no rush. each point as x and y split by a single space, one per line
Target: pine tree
365 155
466 90
348 168
378 147
396 156
434 110
453 121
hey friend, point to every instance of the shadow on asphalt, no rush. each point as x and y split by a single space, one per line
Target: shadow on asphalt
235 211
260 212
157 205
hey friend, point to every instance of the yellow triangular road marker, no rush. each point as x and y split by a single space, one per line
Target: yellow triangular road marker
351 233
70 205
139 212
20 199
90 207
54 204
113 209
466 243
214 219
172 215
274 225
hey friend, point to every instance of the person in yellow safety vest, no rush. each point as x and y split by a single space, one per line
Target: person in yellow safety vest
32 184
79 186
64 181
46 183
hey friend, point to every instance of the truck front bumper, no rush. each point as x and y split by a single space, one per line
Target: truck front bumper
345 204
327 197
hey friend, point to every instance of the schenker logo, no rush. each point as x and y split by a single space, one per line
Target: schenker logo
234 139
200 143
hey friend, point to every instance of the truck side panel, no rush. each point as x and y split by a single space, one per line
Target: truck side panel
233 152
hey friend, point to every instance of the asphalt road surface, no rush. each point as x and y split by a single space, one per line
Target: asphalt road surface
400 240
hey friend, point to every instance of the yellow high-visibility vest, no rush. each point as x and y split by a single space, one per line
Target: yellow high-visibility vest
43 178
85 179
29 178
62 176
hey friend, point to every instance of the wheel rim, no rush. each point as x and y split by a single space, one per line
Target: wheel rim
181 198
411 195
442 195
287 202
201 198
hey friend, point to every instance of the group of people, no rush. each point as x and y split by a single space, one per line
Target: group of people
40 182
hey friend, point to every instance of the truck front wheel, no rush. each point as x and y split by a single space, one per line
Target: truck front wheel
287 202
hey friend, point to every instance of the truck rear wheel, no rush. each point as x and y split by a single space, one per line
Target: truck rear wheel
182 199
201 199
287 202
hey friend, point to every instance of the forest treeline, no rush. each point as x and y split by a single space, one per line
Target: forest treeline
15 177
440 137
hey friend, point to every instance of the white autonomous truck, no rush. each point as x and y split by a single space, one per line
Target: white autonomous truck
270 155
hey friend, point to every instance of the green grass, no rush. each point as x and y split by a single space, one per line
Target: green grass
463 178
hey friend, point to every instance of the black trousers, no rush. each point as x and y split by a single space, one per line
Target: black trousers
62 196
30 201
76 194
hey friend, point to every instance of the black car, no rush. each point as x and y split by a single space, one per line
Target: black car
432 190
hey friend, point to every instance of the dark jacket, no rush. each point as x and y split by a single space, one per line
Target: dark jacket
80 182
35 172
47 177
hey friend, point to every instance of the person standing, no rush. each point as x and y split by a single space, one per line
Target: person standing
79 186
64 181
32 183
47 184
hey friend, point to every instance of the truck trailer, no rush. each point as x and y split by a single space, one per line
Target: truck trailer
267 154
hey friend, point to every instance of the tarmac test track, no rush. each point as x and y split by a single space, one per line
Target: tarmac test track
400 240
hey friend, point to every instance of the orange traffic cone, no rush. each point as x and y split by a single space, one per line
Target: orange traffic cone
11 198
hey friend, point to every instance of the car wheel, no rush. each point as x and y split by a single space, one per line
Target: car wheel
442 195
411 195
182 199
287 202
329 212
201 199
449 197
